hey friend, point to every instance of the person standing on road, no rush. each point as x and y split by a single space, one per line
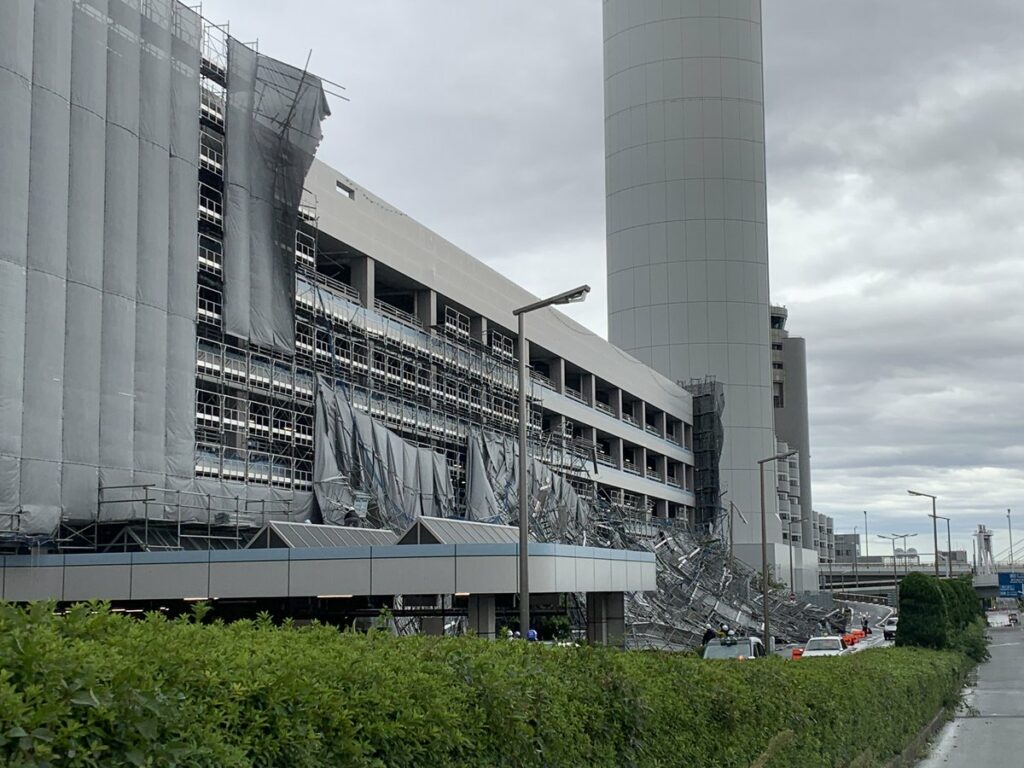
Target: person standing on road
709 635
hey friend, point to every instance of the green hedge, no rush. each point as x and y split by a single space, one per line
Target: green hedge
99 689
942 614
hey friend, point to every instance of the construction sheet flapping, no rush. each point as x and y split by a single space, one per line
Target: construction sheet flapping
492 488
98 192
357 456
273 130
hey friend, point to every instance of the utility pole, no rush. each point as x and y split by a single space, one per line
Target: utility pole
867 544
935 526
1010 526
764 548
856 550
895 575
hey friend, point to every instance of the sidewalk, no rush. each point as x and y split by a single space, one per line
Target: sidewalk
988 729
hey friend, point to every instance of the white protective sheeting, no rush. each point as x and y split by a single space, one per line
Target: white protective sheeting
492 489
355 453
98 193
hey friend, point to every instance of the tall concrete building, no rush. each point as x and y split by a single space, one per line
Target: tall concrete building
789 398
687 217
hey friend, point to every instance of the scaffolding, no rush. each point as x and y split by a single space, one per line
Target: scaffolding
708 435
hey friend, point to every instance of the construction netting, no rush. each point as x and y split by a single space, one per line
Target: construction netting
100 106
98 193
363 471
273 121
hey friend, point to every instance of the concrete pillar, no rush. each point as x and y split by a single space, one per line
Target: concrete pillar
615 401
597 619
661 464
615 614
640 457
432 625
482 616
606 618
589 386
557 367
364 277
661 422
478 329
426 308
616 451
661 508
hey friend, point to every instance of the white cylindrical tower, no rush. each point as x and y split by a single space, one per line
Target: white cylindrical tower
687 217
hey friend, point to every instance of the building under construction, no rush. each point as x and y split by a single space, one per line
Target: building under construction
204 330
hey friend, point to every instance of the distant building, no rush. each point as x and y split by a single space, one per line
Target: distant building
789 398
847 547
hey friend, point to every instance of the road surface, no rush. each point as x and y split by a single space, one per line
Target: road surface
989 729
876 615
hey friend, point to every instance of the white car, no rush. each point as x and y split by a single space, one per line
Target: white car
824 646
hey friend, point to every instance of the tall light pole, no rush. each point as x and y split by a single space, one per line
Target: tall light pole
949 549
867 544
935 526
905 536
1010 527
576 294
789 531
856 551
764 546
895 575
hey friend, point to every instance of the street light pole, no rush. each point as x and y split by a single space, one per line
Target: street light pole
576 294
949 549
867 544
856 548
764 547
789 532
935 526
895 575
905 536
1009 525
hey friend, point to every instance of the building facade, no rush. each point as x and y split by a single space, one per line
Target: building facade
789 400
687 217
221 331
847 547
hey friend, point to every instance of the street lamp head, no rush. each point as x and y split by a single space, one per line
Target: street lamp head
566 297
919 493
573 296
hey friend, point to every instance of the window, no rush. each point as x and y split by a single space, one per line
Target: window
778 394
345 189
777 366
776 346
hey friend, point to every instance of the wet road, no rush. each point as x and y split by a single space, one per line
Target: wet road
989 729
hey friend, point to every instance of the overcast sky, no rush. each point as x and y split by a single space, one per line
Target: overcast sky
895 186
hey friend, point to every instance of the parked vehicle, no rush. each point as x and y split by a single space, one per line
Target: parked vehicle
738 648
831 645
889 628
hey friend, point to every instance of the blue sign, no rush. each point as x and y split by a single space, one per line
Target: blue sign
1011 585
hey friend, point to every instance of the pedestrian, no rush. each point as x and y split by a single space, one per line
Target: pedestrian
709 635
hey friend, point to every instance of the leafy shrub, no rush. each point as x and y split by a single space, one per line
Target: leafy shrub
923 619
98 689
957 624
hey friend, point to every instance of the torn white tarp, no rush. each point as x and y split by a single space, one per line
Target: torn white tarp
356 456
492 488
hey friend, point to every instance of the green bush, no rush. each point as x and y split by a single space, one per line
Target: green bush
942 614
923 618
98 689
